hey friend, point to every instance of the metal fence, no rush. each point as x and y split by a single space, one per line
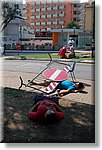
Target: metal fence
31 47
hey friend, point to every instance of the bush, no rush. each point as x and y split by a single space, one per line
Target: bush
23 57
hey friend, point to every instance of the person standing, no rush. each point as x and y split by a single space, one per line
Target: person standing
71 41
72 52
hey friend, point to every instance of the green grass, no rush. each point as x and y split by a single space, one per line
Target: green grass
54 55
15 92
37 56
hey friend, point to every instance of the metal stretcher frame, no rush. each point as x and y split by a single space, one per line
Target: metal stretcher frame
29 83
47 66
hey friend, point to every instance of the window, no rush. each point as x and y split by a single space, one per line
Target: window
38 3
61 15
43 29
32 17
32 23
42 16
16 6
43 9
55 22
32 10
49 16
55 8
37 29
38 16
74 19
61 22
56 1
49 22
48 29
75 5
61 7
38 9
42 23
49 1
32 2
43 1
74 12
54 15
37 23
49 8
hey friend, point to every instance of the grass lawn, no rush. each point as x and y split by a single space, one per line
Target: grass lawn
79 56
77 126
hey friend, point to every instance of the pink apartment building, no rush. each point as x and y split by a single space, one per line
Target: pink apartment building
44 15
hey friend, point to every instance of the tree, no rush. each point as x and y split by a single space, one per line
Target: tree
72 25
9 13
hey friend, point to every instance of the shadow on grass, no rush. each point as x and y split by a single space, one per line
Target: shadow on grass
78 125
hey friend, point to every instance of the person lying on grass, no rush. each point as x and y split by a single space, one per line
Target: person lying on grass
46 110
64 87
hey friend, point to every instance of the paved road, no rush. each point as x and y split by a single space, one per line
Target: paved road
82 70
27 52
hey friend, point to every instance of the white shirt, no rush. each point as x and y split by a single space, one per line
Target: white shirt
71 41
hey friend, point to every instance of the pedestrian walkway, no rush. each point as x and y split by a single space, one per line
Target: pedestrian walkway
11 80
86 96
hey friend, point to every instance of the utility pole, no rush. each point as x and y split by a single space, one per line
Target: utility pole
93 32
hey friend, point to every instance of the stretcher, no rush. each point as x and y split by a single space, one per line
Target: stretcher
45 74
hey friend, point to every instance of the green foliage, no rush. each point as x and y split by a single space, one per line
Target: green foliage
9 13
23 57
72 25
79 56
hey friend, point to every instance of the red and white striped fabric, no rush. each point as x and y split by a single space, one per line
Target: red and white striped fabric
66 68
50 88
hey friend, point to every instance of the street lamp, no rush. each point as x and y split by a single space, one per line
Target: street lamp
20 33
93 32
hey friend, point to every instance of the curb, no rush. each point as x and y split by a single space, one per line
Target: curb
45 59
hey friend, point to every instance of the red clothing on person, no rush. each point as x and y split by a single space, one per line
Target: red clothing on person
44 105
62 52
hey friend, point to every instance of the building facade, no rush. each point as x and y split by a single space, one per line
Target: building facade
86 16
82 15
89 23
44 15
80 37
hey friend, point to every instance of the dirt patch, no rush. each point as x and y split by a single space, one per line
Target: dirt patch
78 125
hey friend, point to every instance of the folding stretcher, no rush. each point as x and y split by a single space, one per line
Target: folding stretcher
39 77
